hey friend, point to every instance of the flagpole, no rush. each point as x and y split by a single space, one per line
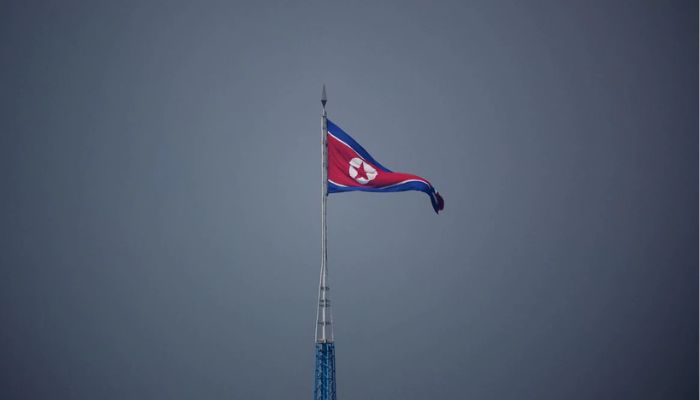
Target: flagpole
323 318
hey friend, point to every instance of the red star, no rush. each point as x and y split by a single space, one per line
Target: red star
361 173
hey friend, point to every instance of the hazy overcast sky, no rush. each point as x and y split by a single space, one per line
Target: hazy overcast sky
159 216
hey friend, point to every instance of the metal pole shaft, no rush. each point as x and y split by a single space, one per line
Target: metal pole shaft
322 318
324 200
324 186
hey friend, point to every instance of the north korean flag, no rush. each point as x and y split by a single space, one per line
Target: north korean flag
351 167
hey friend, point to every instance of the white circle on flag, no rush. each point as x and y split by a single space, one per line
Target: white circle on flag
369 171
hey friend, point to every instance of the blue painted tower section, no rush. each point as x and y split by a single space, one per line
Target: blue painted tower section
324 385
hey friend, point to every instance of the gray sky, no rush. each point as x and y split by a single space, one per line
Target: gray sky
159 217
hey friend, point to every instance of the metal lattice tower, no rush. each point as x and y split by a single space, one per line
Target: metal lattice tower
324 376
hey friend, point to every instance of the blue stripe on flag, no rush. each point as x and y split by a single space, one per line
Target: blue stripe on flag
414 185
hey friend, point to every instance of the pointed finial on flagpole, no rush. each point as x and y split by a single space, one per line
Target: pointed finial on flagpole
323 96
